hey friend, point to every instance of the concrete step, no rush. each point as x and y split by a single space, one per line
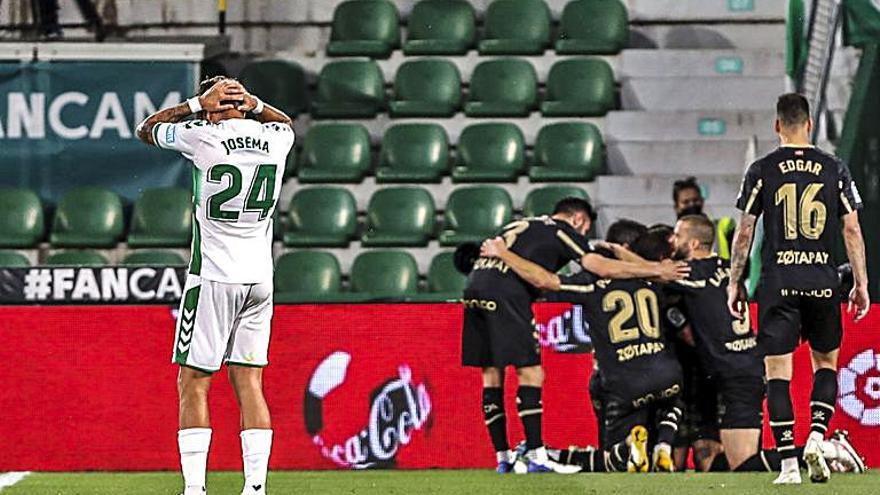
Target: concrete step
700 63
616 190
702 93
706 10
709 36
680 158
688 125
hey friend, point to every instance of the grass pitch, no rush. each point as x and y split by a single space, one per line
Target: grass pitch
442 483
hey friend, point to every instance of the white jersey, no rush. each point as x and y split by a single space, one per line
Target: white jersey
239 167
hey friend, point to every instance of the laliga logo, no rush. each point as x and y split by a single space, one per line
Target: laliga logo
397 408
566 332
859 388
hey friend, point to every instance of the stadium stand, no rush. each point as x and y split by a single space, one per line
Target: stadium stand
12 259
307 276
154 258
385 274
83 257
610 99
21 225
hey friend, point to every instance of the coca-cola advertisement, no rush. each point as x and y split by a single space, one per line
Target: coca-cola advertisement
367 386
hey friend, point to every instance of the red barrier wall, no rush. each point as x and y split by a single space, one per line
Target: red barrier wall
93 388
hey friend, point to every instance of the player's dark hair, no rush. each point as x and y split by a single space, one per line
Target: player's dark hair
207 83
653 245
683 184
701 229
792 109
625 231
571 205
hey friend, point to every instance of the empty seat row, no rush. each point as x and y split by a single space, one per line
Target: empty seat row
405 216
306 275
87 257
316 276
505 87
448 27
93 217
486 152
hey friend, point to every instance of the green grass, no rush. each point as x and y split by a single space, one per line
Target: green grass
441 483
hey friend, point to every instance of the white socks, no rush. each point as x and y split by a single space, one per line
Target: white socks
255 448
504 456
816 437
193 444
538 455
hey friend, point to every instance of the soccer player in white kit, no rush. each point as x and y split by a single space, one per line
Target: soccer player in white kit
226 309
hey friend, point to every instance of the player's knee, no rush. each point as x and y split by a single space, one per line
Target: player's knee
778 367
246 378
493 377
532 376
826 360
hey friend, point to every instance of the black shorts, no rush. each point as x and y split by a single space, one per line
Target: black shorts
785 321
700 398
623 410
597 399
742 401
499 330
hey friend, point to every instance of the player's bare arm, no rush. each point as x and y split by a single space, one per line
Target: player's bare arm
531 272
742 245
664 271
266 114
859 300
215 99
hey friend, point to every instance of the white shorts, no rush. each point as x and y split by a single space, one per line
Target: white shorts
223 323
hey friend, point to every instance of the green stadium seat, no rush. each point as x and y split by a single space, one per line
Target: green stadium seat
12 259
321 216
281 82
599 27
475 213
364 27
440 27
489 152
399 216
154 258
161 218
542 200
84 257
335 152
21 224
579 88
568 152
350 89
516 27
413 153
426 88
385 274
506 87
443 277
307 276
88 217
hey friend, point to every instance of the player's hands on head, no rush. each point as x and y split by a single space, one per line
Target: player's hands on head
493 248
248 103
737 300
859 302
670 271
218 97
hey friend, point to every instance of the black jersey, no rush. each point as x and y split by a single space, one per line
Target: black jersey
802 193
542 240
725 345
624 322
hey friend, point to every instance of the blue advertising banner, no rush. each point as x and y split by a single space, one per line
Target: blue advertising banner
70 124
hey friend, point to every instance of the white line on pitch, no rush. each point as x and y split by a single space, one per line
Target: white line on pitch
9 479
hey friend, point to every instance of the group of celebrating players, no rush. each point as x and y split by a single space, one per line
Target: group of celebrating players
678 364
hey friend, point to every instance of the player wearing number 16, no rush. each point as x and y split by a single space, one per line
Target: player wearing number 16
226 309
803 194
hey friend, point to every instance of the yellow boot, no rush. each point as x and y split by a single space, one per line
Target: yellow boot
638 450
663 461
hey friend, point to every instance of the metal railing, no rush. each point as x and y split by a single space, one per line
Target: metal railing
825 21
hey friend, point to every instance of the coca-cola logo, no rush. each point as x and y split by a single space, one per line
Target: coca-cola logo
398 407
567 332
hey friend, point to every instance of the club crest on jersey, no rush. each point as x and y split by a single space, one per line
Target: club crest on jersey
245 143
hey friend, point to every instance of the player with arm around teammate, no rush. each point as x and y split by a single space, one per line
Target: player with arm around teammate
805 196
226 309
641 378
